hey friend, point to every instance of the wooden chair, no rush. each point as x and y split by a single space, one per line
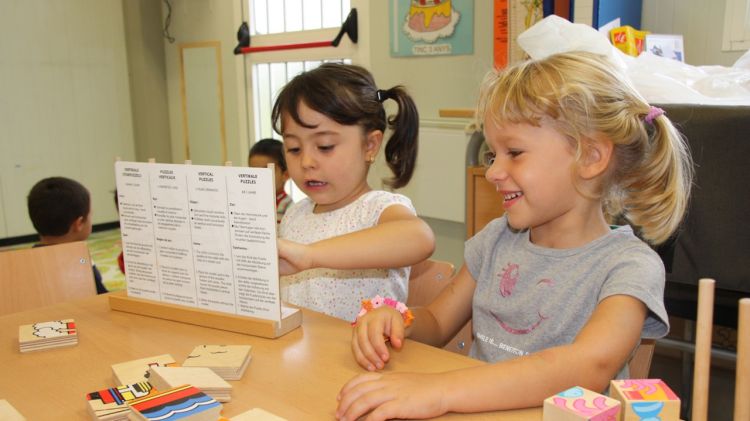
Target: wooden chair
36 277
742 373
427 280
702 363
640 362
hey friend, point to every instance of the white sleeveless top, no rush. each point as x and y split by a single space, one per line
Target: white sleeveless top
339 293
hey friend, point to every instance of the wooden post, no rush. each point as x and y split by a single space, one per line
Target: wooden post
702 367
742 382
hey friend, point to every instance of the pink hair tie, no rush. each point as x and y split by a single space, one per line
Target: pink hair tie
653 112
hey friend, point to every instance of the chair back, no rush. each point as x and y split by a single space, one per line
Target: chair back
640 362
41 276
427 280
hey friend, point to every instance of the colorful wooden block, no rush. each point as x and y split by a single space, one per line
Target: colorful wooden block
645 399
186 403
112 404
579 404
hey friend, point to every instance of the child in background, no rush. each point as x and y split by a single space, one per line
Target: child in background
557 297
346 242
60 210
121 256
271 151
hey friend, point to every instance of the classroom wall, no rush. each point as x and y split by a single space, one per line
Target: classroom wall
65 108
435 82
195 21
699 21
147 76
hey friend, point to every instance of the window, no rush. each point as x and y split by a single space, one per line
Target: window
281 22
278 16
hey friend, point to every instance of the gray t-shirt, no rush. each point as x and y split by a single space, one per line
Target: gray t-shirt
529 298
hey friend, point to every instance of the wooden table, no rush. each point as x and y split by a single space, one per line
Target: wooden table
296 376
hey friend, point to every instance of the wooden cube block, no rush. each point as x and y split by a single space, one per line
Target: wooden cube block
579 404
645 399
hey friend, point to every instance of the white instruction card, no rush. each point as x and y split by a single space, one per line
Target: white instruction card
200 236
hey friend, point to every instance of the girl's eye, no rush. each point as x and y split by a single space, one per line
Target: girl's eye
325 148
514 153
489 158
292 150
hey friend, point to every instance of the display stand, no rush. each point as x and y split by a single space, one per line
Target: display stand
241 324
200 247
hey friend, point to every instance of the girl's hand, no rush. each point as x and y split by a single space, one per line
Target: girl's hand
398 395
370 334
293 257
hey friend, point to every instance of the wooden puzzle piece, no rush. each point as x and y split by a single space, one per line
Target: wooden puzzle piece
645 399
579 404
111 404
228 361
136 371
186 403
9 413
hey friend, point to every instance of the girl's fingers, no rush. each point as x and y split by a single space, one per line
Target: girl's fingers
386 411
359 355
366 346
354 382
366 394
397 332
376 337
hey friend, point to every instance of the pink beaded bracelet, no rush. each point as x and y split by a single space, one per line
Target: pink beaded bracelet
378 301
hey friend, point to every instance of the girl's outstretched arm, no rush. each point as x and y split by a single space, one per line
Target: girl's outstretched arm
434 324
597 354
399 239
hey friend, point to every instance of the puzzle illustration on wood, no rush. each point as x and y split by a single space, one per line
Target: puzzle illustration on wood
646 399
228 361
43 335
111 404
579 404
181 403
136 371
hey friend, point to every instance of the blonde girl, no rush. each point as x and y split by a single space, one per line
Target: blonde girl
346 241
557 297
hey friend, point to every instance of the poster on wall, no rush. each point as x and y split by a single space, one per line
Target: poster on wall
431 27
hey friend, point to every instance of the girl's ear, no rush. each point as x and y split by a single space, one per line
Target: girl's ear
372 144
596 157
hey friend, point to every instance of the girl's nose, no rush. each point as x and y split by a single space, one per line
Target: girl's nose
496 172
307 160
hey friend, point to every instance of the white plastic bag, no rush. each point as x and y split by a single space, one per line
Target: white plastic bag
658 79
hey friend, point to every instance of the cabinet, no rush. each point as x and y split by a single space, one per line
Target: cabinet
483 203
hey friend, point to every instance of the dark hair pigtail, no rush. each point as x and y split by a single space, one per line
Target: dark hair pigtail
401 148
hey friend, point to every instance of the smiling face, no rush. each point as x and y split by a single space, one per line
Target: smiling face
532 167
328 162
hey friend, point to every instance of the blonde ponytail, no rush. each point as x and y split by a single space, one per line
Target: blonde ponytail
658 187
